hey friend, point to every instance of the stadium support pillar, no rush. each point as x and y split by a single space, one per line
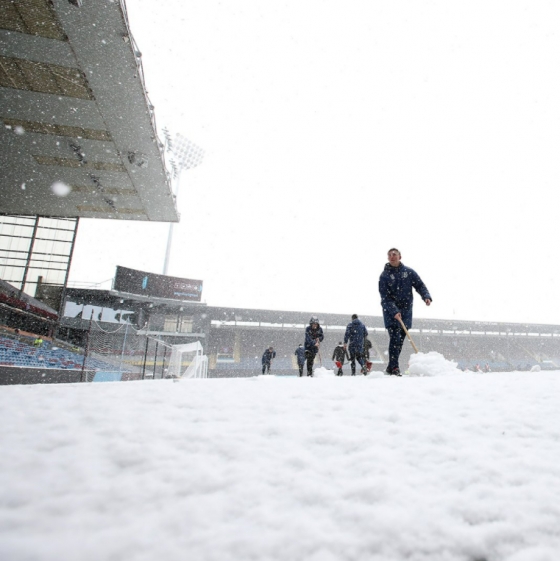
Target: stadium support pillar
155 361
237 347
145 358
163 362
31 247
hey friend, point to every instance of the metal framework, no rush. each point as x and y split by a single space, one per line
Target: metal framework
36 251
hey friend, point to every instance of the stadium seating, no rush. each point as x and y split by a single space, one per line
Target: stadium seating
21 352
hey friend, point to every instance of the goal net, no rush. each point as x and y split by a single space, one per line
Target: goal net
188 361
126 353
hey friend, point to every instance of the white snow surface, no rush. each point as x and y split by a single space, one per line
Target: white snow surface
376 468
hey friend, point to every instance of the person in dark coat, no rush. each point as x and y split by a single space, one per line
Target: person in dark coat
395 287
355 336
267 357
300 354
313 338
339 354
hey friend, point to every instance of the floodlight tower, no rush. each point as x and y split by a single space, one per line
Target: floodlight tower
184 155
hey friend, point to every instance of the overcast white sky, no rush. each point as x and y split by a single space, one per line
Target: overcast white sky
335 130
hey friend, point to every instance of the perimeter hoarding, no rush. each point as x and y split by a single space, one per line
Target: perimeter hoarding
157 286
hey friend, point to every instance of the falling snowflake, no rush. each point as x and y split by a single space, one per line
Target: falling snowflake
60 189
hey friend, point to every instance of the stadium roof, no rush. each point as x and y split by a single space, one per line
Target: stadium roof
241 317
74 110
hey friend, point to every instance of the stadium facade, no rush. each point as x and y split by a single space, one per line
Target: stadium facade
235 338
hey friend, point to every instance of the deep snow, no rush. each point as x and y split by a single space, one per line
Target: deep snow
454 466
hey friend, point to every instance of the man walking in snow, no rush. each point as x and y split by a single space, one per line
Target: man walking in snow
300 355
313 338
395 287
356 333
339 354
267 357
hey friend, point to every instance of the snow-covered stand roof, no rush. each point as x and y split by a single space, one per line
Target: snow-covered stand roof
74 110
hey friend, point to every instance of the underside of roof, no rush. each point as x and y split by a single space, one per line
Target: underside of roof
77 134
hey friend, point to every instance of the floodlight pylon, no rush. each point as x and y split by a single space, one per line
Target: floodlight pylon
184 155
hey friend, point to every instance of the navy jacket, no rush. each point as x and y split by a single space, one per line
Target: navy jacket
311 335
395 288
356 333
268 356
300 353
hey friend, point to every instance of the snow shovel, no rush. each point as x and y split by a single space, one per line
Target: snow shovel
408 335
368 364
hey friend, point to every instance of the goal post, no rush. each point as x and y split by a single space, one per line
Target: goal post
126 353
188 361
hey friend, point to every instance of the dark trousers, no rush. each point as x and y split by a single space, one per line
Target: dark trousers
396 340
310 355
266 366
356 356
300 367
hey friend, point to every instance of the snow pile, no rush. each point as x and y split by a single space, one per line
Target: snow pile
431 364
322 372
447 468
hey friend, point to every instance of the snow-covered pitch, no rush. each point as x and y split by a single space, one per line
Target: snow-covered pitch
452 466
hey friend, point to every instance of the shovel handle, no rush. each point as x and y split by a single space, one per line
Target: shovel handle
408 335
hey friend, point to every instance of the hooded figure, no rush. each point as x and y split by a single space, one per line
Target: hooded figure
339 354
313 338
267 357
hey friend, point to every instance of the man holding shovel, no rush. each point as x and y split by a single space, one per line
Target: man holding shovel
395 287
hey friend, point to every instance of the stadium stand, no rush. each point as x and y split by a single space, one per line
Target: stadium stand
20 351
237 351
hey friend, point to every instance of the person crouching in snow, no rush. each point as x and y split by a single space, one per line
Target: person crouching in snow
300 355
395 287
339 354
313 338
356 333
267 357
